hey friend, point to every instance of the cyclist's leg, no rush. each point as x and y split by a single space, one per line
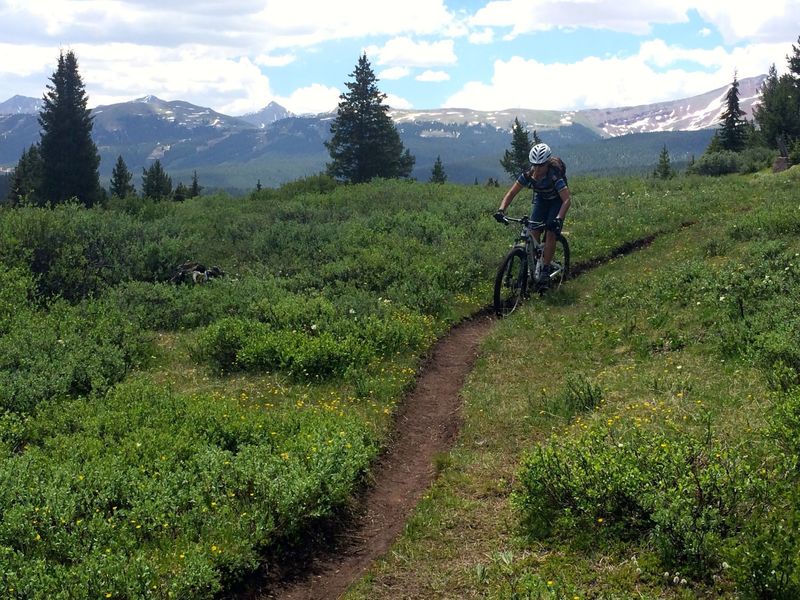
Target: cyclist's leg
550 236
538 215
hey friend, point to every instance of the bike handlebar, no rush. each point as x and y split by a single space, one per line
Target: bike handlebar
524 221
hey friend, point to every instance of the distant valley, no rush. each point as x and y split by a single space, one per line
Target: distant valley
274 146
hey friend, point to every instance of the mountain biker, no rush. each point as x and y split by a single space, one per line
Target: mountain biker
551 201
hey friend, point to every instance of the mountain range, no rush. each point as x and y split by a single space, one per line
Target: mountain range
273 145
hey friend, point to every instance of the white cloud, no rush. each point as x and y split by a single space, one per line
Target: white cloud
433 76
395 101
772 21
394 73
405 52
282 60
528 16
353 18
226 56
313 99
650 76
485 36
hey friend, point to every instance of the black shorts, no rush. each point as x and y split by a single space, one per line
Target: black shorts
543 212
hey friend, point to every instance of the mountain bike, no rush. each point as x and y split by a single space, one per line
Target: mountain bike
519 272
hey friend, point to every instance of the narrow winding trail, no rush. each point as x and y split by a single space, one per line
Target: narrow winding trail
427 424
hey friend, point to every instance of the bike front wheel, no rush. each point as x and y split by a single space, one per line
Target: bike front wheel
511 282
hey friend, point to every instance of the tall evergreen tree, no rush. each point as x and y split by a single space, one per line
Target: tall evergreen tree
26 179
156 184
664 168
515 161
181 193
5 186
121 177
778 114
70 161
437 173
195 188
732 133
794 62
364 141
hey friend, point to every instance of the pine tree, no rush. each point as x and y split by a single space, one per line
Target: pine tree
778 114
732 132
26 179
121 177
195 188
181 193
364 141
437 173
5 186
794 62
664 168
515 161
70 161
156 184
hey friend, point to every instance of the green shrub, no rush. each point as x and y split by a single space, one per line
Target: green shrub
724 162
145 493
220 344
63 351
688 492
753 160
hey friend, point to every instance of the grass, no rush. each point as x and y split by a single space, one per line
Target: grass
618 344
630 344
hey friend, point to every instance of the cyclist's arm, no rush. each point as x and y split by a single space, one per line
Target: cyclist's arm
510 195
565 202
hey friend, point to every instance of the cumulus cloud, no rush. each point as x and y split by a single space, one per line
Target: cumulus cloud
313 99
228 56
395 101
484 36
652 75
282 60
528 16
394 73
736 21
405 52
433 76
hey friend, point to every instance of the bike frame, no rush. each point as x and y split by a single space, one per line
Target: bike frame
533 249
518 273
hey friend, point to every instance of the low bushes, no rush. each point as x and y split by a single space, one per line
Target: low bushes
61 350
146 493
313 348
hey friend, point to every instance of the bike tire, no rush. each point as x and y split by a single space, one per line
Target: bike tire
561 262
561 258
511 282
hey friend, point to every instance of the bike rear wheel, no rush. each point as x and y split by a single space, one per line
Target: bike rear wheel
560 263
511 282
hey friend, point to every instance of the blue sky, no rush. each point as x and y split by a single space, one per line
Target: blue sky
239 55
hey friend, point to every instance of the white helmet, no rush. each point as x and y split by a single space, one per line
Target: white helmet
539 154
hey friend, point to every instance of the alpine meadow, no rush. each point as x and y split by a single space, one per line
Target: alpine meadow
195 385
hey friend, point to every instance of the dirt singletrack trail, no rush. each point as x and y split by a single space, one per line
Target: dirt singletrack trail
427 424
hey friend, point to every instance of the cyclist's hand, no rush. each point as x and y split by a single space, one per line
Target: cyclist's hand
556 225
500 216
